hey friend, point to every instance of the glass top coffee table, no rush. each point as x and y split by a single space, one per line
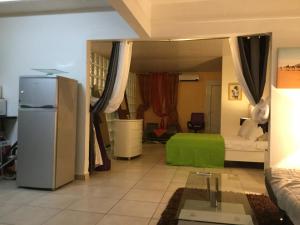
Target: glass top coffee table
214 198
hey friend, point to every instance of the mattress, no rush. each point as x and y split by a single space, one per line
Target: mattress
240 143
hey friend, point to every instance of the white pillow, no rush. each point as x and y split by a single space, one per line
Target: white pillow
247 128
254 133
264 137
244 128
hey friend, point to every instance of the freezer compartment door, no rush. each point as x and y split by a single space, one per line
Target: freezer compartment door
36 148
38 92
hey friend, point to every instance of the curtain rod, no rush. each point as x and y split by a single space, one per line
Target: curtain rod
149 73
254 35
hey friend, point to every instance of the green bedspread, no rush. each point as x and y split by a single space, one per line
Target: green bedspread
194 149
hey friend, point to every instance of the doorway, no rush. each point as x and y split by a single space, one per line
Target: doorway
213 107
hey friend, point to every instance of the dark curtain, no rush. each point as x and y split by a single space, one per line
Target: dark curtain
110 79
145 92
254 52
158 96
91 146
100 105
171 93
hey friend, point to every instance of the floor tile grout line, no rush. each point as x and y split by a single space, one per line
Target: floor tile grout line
51 217
65 209
162 196
18 207
122 198
148 171
50 207
60 210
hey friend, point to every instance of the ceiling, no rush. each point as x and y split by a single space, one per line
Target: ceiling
212 10
200 10
157 18
171 56
204 18
29 7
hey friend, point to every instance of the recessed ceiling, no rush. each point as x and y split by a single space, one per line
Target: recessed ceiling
171 56
29 7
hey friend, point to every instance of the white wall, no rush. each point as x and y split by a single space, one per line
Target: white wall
285 108
55 41
231 110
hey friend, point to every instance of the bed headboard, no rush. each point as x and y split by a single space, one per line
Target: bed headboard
265 126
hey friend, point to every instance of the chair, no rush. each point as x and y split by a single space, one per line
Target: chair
197 122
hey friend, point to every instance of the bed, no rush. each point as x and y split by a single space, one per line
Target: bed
241 149
211 150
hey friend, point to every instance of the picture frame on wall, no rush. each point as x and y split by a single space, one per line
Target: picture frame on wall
234 91
288 71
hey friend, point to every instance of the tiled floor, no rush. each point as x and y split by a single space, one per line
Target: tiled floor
134 192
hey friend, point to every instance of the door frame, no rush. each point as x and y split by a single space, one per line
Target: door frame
208 101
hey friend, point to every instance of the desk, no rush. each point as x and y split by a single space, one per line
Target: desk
7 117
2 126
4 143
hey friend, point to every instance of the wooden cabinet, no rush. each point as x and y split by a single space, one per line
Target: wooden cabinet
127 138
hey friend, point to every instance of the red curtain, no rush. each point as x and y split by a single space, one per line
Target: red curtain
164 98
160 91
158 96
171 98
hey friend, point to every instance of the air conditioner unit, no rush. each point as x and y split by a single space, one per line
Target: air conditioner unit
188 77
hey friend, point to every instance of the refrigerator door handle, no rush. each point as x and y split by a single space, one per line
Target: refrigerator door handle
41 106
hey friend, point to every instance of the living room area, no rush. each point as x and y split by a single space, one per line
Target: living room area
147 189
133 192
144 189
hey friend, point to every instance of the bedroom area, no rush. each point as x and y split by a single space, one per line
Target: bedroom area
184 98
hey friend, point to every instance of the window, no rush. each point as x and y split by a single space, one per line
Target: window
98 71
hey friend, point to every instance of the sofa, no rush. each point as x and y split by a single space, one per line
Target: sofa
283 186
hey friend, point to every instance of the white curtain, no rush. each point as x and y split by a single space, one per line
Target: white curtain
260 112
122 77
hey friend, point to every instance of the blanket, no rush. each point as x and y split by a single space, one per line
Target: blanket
196 149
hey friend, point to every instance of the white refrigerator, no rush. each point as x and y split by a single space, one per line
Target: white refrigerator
46 131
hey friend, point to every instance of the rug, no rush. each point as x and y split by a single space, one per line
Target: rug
266 213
